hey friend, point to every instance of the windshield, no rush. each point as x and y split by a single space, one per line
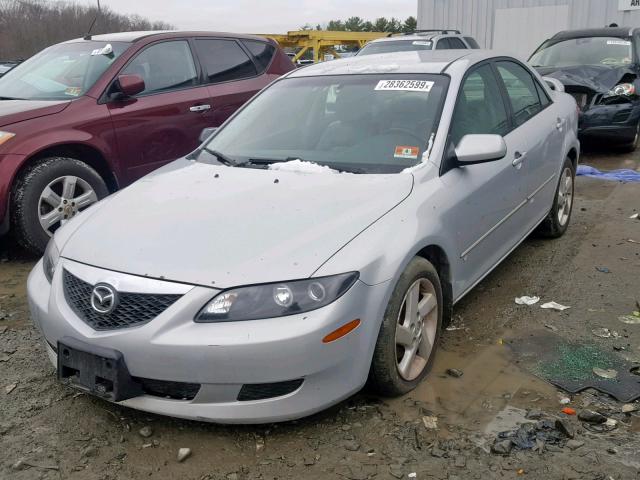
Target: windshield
611 51
395 46
62 72
355 123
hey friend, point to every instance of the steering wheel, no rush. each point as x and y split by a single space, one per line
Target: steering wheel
406 131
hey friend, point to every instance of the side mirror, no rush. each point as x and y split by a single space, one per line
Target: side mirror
206 133
130 85
473 149
554 84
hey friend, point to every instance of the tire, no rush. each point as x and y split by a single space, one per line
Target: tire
633 142
386 376
555 223
54 175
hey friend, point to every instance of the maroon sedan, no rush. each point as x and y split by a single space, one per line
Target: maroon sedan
83 118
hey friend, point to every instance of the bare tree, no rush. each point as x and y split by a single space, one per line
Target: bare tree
28 26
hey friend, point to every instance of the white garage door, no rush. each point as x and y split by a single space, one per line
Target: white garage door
519 31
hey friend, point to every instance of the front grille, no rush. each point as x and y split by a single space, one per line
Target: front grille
165 389
262 391
133 309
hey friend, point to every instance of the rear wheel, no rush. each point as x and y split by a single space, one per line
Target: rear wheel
408 337
557 221
50 193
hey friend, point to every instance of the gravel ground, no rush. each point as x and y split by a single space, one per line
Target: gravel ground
445 429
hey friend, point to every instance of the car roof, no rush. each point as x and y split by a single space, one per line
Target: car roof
418 36
594 32
164 34
423 61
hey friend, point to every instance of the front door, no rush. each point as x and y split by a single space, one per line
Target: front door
485 199
163 122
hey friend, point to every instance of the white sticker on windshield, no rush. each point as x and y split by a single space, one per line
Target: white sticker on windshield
405 85
106 50
618 42
422 42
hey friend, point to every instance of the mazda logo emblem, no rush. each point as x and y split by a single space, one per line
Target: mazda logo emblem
104 298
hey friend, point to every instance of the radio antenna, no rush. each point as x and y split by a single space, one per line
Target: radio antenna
95 19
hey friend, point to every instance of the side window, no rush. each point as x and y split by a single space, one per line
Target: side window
443 44
262 53
164 66
542 95
224 60
456 43
521 89
480 108
472 42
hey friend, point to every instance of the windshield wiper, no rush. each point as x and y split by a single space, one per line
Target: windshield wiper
221 157
265 162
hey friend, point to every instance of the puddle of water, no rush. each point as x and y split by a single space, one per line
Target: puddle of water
492 386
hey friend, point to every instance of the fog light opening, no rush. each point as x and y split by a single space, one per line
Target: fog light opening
342 331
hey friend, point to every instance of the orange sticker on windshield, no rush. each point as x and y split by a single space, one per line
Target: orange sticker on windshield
403 151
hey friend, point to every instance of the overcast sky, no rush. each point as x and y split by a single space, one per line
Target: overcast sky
259 16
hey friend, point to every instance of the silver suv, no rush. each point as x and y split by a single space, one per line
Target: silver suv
420 40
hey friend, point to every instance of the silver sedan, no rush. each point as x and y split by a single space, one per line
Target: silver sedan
319 239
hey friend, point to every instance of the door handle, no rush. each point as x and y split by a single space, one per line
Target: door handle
200 108
518 159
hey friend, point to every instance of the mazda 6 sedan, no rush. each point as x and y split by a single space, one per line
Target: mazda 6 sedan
315 242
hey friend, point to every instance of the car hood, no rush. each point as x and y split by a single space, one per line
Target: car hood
596 78
13 111
221 226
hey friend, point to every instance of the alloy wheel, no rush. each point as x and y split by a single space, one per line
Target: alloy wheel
416 329
565 196
62 199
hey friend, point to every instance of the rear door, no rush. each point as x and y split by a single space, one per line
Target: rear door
486 209
539 137
232 73
164 121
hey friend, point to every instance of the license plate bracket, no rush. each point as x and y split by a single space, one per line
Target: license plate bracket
96 370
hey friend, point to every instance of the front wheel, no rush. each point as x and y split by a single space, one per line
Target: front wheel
50 193
557 221
407 342
633 143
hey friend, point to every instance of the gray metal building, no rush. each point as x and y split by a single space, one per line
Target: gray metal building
519 26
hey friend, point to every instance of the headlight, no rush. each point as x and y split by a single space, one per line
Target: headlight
275 299
50 259
622 90
6 136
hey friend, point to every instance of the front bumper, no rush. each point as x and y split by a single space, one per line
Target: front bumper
614 122
222 357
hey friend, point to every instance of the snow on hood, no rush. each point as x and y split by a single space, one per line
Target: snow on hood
301 166
222 226
599 78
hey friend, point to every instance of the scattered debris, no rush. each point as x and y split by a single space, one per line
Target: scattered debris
554 306
574 444
183 454
526 300
430 422
534 415
454 372
412 475
565 401
259 443
553 328
633 319
605 333
605 373
591 417
630 407
145 432
635 216
568 411
10 388
630 240
603 270
564 427
502 447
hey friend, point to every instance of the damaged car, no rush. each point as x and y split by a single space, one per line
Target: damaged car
316 241
600 69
